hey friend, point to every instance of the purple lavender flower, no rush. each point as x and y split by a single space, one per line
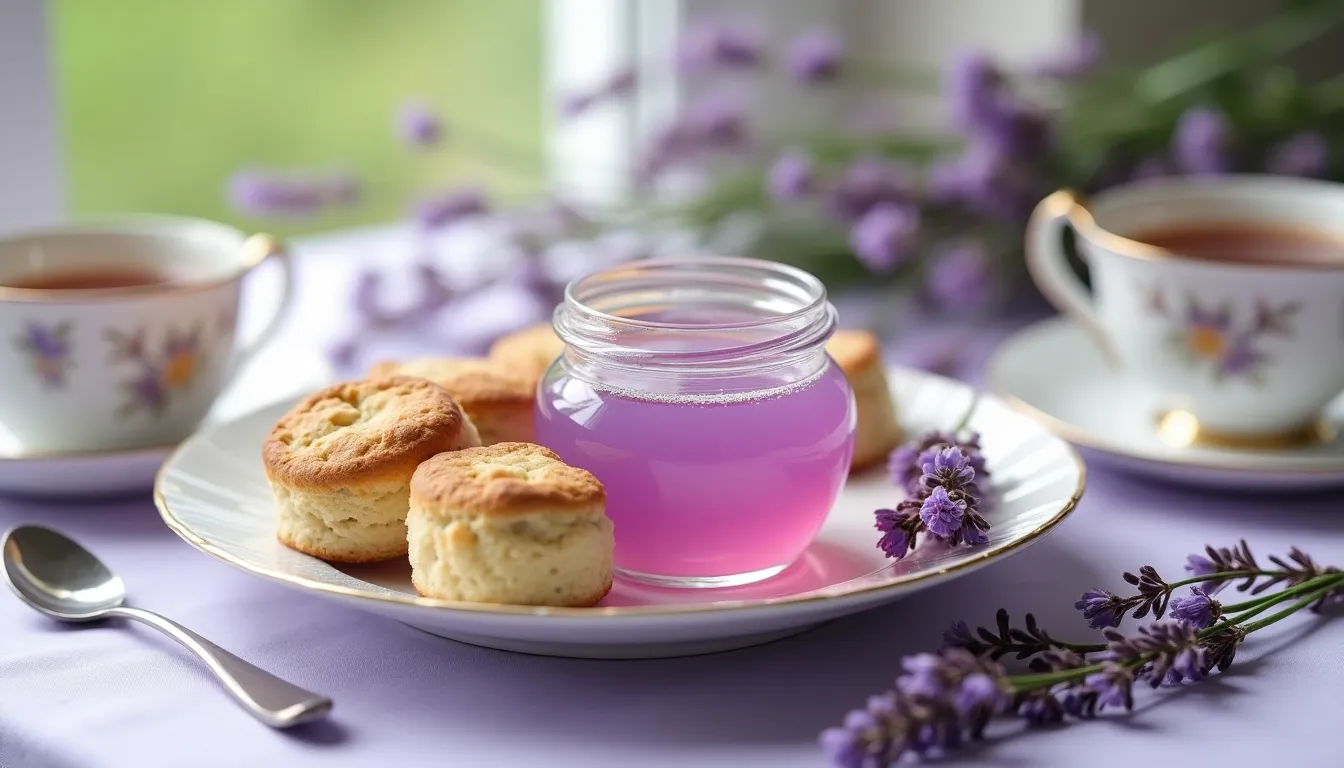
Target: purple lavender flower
922 676
1187 664
790 177
972 534
960 276
450 207
895 542
718 120
619 84
1114 686
973 90
1198 610
941 513
1079 59
953 696
987 179
846 747
1202 141
948 468
884 236
1220 649
1198 565
959 635
719 44
1305 153
1171 647
868 182
262 193
978 691
418 125
905 465
1041 709
814 57
1101 608
1019 131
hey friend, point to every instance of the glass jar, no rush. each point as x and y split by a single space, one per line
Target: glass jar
698 390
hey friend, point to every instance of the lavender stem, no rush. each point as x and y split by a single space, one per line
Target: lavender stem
970 411
1254 607
1312 590
1289 611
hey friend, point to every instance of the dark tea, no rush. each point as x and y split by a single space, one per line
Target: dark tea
88 279
1248 244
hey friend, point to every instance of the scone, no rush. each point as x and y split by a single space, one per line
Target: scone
340 464
859 355
528 352
509 523
497 401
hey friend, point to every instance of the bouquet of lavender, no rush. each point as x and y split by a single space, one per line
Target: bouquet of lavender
939 214
943 698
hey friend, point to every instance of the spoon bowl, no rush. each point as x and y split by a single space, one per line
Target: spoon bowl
56 576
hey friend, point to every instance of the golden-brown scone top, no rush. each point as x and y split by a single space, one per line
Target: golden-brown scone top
529 351
505 479
364 431
473 382
854 350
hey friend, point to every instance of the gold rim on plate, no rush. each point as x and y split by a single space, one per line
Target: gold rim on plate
1080 437
403 599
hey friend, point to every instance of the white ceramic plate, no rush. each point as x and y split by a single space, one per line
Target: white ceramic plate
213 494
112 473
1053 372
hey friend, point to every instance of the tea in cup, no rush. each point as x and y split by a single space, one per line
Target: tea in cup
120 333
1224 294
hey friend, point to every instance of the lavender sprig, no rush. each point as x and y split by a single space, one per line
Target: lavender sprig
940 473
1221 566
1225 564
943 503
942 699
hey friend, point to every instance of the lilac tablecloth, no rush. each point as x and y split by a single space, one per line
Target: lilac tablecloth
117 695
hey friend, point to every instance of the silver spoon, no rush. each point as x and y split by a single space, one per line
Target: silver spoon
65 581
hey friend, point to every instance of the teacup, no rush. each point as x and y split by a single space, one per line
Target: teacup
1225 295
120 332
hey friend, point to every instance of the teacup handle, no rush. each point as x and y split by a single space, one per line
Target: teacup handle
259 249
1049 268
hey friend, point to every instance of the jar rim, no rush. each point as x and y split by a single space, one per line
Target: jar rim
816 290
793 323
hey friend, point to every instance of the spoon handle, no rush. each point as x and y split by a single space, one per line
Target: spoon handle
268 698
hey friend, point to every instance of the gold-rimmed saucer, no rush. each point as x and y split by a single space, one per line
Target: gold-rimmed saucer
1053 372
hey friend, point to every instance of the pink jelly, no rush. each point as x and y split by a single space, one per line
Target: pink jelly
698 391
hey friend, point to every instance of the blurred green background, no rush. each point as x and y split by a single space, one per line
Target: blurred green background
163 99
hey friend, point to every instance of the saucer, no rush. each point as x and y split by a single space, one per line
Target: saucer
1054 372
213 493
279 372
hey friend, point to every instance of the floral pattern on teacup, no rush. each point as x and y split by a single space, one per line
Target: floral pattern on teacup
158 372
1229 343
49 352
